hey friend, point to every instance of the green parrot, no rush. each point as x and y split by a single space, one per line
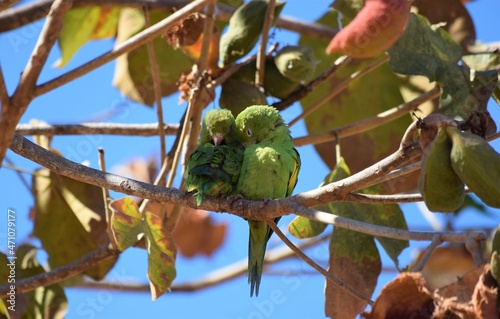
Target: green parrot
270 169
214 166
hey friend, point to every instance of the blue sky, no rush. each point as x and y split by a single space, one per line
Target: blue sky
282 294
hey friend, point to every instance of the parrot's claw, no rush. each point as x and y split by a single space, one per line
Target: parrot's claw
265 201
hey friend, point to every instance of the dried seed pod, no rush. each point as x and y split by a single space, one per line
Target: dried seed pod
237 95
245 27
275 84
296 62
442 189
477 164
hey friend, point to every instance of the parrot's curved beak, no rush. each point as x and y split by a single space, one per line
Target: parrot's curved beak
218 138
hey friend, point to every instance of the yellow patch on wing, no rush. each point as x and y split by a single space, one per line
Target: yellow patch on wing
292 181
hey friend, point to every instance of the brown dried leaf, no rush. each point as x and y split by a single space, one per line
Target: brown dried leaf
404 297
354 259
462 288
196 233
485 296
446 264
140 169
187 35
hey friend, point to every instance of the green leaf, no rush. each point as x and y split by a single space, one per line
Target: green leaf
82 25
424 50
69 220
275 84
126 222
429 50
495 265
385 215
161 255
133 72
495 244
352 105
355 260
302 227
495 255
43 302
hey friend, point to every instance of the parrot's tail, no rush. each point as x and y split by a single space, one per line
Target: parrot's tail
256 252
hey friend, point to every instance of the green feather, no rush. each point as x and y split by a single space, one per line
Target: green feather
269 170
214 170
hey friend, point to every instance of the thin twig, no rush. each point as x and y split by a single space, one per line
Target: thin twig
314 265
18 171
156 87
200 97
22 96
475 248
261 54
106 200
4 95
227 73
303 91
367 124
208 28
151 129
383 231
196 104
436 241
340 87
132 43
59 274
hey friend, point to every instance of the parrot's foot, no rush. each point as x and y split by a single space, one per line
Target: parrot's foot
235 198
265 201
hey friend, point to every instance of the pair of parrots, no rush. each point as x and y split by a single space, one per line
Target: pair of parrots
252 155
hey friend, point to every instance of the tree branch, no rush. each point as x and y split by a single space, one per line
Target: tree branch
17 17
436 241
150 129
4 95
64 272
132 43
247 209
12 112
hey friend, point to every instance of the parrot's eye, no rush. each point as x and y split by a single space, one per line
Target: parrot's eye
249 132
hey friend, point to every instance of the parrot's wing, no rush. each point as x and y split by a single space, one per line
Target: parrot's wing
214 170
294 174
